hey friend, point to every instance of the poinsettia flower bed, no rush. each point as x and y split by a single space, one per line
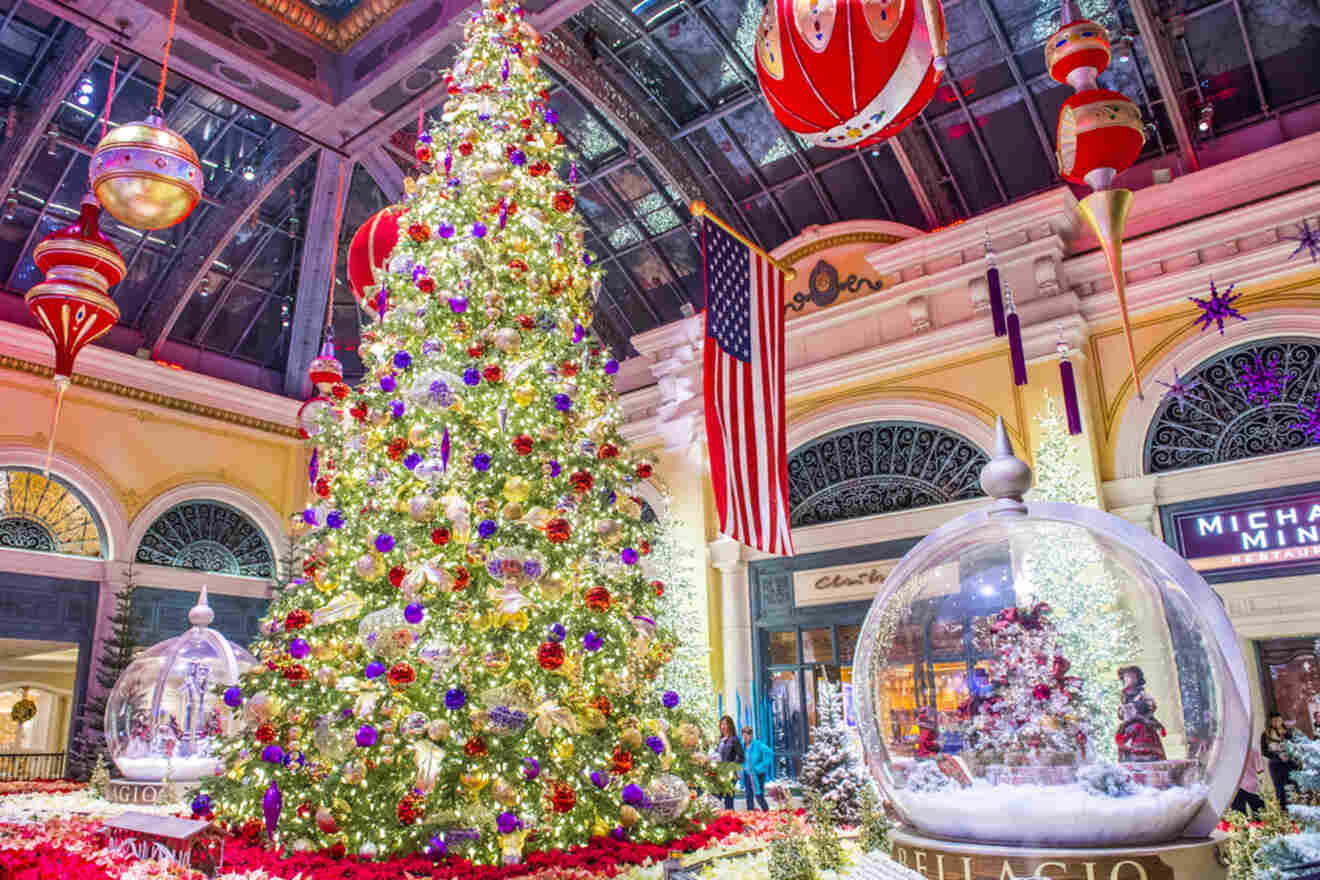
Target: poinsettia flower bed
63 849
39 786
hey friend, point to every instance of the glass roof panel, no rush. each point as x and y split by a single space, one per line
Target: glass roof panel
1285 37
1214 48
650 71
691 43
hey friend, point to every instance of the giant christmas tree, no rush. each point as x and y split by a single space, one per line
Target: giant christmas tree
469 663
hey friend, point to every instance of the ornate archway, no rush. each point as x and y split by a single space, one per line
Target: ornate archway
204 535
1218 420
880 467
47 514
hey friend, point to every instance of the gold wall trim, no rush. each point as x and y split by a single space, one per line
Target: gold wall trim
838 241
164 401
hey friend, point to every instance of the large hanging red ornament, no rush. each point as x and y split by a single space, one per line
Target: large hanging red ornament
845 73
1100 135
367 254
72 304
325 370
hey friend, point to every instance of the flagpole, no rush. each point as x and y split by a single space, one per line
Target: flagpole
699 209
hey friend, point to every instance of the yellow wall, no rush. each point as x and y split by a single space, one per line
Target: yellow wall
139 448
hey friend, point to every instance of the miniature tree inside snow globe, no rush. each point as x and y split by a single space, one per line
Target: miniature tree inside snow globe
164 714
1099 696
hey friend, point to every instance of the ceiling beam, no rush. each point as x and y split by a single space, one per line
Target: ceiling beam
314 274
58 74
919 165
1159 50
383 170
284 152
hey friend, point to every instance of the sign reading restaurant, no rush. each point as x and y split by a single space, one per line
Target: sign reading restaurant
1277 532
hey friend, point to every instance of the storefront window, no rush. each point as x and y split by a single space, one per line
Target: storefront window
786 721
1291 671
848 643
817 645
783 648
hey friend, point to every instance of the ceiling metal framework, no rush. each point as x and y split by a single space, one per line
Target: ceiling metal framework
666 109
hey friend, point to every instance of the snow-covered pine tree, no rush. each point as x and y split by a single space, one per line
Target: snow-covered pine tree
831 767
1279 857
1095 627
1033 709
116 653
688 673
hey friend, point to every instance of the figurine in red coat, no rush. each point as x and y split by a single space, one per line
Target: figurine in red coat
1140 733
928 742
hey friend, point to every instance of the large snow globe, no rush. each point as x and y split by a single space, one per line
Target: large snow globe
163 715
1043 674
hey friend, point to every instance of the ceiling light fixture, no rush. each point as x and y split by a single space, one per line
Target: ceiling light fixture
1207 118
52 141
249 173
204 289
1125 49
11 205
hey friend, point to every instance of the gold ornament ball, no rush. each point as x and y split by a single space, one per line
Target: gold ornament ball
327 677
473 782
563 750
146 175
524 394
628 817
503 792
517 489
497 661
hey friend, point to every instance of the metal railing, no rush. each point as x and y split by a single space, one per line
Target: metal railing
32 765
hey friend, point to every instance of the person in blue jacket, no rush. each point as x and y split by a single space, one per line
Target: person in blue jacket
756 768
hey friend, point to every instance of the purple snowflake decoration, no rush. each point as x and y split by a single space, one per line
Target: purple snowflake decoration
1307 239
1217 309
1310 427
1261 382
1179 390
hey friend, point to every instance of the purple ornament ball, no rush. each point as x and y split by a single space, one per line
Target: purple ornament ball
531 768
455 698
298 649
375 669
272 754
670 699
233 697
413 613
366 736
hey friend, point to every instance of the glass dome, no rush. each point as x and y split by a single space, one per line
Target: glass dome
163 713
1050 675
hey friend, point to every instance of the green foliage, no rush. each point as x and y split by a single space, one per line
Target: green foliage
825 845
88 746
688 674
790 858
1249 837
99 780
873 832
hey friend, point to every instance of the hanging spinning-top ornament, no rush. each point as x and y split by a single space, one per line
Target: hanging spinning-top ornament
1100 135
846 73
145 173
72 304
367 254
325 370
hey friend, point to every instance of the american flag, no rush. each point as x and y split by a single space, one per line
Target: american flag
744 391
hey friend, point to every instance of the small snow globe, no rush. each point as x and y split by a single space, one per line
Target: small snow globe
163 715
1049 675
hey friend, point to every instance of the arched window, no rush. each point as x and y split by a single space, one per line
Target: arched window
1219 420
46 514
880 467
207 536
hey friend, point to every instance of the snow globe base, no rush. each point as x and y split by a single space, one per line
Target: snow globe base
138 791
938 859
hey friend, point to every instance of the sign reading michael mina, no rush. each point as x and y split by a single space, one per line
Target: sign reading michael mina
1275 533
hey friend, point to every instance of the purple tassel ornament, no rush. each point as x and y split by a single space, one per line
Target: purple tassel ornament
1070 405
313 466
1015 351
444 451
996 293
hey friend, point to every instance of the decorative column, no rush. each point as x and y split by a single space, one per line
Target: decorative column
736 614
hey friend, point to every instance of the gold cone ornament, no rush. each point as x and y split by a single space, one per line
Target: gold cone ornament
1105 213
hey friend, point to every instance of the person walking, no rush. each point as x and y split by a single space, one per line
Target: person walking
729 751
1272 741
757 769
1248 799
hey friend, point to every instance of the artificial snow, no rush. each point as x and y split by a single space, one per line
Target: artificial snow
1055 815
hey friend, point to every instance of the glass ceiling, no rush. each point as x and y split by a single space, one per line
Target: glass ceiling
687 64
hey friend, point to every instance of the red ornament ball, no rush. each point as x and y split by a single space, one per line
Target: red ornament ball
582 481
602 705
440 536
1077 53
397 574
659 587
297 619
562 797
461 578
847 73
426 284
558 530
550 655
522 444
644 471
563 201
492 373
295 673
409 809
419 232
598 599
621 761
401 675
475 747
265 734
367 254
607 450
